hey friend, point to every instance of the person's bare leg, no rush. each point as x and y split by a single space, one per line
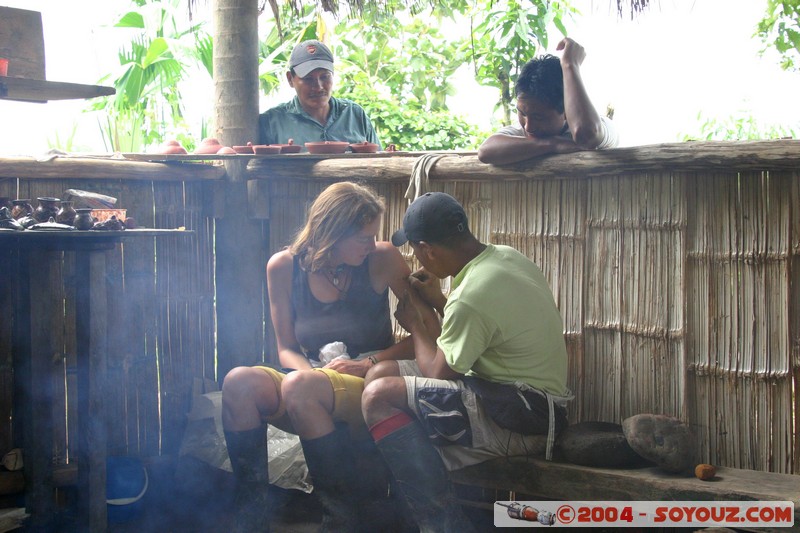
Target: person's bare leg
414 461
309 402
382 370
327 447
249 395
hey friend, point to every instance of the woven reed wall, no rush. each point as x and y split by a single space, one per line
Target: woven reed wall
675 290
679 293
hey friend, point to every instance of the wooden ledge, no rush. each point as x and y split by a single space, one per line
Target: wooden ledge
707 156
75 166
29 90
565 481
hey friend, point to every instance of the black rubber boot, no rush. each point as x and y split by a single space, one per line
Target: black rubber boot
330 462
248 453
422 478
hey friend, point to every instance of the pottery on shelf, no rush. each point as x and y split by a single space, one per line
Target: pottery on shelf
364 147
7 221
265 149
209 145
327 147
67 214
21 208
226 150
172 147
244 149
83 218
47 208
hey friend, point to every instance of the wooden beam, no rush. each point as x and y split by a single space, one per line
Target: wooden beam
27 90
106 169
464 166
564 481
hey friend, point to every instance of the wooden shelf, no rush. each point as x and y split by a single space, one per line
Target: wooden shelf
29 90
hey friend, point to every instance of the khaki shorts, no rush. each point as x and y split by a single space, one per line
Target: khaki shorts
475 437
347 391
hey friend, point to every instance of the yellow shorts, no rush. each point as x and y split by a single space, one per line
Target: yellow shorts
347 391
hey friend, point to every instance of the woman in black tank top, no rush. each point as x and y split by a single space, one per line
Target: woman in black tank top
332 284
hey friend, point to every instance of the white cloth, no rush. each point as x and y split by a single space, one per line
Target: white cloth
418 183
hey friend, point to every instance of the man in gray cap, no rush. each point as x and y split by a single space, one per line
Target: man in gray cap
314 115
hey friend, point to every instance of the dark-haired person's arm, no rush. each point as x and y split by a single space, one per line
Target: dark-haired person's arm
503 149
584 122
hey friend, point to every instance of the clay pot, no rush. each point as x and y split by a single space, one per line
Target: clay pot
83 219
226 150
208 145
246 149
66 215
21 208
364 148
264 149
172 147
327 147
47 209
289 147
7 222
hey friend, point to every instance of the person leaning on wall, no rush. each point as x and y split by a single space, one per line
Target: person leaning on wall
313 115
554 111
330 286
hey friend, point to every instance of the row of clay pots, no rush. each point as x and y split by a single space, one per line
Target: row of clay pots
211 146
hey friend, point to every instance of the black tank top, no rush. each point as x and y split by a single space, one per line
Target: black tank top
360 319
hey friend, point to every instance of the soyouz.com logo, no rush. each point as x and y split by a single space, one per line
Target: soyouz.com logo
643 514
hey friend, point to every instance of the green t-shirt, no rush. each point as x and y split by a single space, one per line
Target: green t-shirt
501 323
347 122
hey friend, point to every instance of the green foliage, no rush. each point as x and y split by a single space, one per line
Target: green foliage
738 128
411 127
148 102
400 73
508 33
780 28
400 68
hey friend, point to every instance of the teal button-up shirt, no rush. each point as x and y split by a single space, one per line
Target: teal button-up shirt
347 122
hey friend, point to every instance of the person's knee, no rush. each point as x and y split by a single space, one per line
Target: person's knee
238 385
381 370
380 395
301 388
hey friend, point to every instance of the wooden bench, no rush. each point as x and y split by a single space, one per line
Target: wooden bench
564 481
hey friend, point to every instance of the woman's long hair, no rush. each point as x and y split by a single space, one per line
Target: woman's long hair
340 211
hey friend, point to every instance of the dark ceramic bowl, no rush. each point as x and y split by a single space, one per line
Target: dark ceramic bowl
327 147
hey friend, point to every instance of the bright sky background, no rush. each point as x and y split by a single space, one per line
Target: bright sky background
659 71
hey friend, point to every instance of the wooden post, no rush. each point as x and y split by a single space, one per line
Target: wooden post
240 247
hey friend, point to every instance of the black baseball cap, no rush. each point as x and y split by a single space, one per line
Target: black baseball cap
433 217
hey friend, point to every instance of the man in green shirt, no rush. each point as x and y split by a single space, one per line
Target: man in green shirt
314 115
493 383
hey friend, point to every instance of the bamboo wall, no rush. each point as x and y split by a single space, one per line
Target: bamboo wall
675 268
676 287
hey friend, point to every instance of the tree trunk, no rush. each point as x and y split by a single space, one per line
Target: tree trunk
239 244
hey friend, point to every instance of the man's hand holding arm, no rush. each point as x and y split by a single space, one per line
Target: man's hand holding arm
419 319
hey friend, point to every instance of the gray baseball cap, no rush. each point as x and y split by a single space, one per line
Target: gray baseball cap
310 55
